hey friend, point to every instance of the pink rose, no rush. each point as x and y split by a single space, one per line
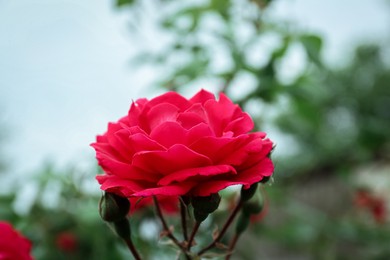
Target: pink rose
175 146
13 246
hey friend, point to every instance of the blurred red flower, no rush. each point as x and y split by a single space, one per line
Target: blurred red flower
374 204
67 241
13 246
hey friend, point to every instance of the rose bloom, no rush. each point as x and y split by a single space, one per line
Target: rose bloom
174 146
13 246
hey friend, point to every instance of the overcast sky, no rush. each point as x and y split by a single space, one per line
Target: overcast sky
64 68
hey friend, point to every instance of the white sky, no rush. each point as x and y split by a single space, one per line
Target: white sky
64 68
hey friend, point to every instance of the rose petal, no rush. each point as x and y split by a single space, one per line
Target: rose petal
169 190
119 185
169 133
241 125
176 158
217 149
209 187
186 174
202 96
135 110
190 119
161 113
256 173
220 113
171 98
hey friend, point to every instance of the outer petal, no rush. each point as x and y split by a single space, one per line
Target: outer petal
119 185
246 178
169 190
189 174
202 96
171 98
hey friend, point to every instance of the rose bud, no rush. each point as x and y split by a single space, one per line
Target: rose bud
122 228
265 179
252 207
246 194
203 206
242 223
113 207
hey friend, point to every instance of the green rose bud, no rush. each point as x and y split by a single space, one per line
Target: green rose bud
242 223
122 228
252 207
203 206
246 194
265 179
113 207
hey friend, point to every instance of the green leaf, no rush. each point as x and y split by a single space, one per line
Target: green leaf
120 3
313 46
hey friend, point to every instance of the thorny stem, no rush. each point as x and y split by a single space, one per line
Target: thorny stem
193 233
183 214
166 228
224 229
232 245
132 249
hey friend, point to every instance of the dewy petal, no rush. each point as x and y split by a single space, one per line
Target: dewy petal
169 190
176 158
186 174
202 96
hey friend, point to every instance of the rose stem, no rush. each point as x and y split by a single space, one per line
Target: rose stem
183 219
166 229
232 245
224 229
131 246
193 233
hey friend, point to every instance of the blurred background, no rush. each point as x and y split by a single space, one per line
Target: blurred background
314 75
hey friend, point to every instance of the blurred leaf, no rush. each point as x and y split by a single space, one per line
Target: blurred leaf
120 3
313 46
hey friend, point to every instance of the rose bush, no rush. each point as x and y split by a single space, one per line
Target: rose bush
174 146
13 246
